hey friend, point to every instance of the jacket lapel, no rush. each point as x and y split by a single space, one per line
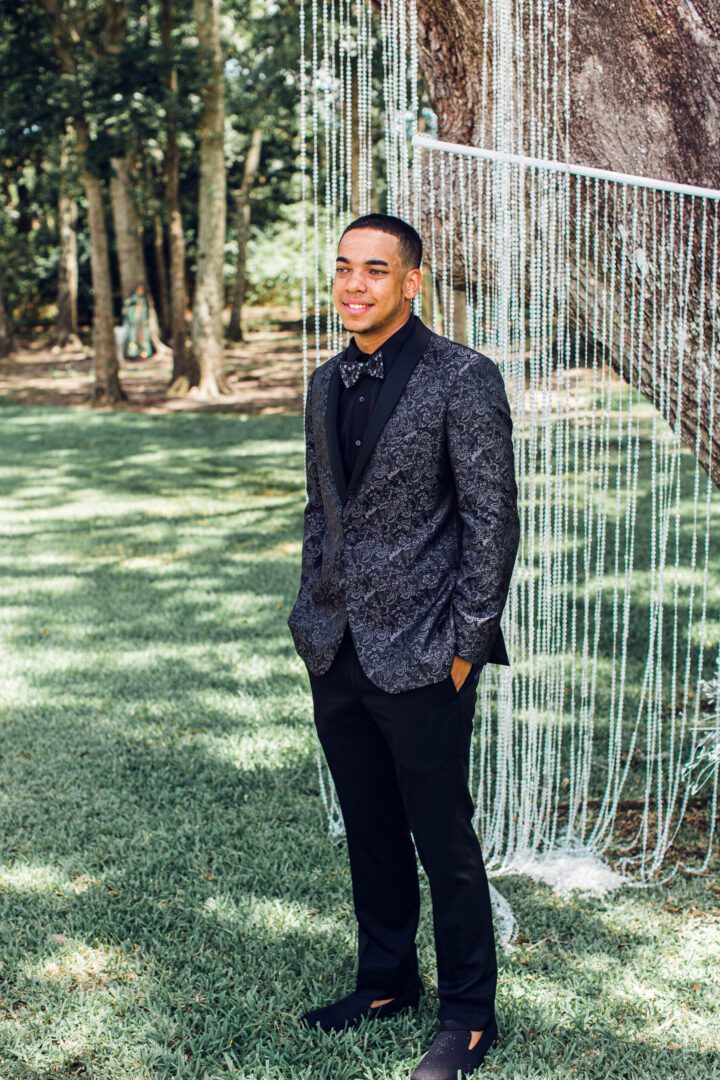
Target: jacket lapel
331 432
393 385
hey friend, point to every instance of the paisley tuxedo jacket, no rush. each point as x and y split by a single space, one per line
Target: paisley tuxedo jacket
416 549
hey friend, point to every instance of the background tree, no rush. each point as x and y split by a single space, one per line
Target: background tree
35 209
261 148
242 225
643 87
184 364
81 35
66 326
6 342
207 328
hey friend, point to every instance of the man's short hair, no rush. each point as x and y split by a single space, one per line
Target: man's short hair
410 243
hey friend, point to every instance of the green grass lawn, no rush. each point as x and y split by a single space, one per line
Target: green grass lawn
170 899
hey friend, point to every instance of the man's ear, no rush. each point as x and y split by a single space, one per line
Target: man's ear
413 284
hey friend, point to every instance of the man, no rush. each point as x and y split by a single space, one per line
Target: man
410 536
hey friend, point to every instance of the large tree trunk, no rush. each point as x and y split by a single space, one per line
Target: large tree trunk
643 94
207 328
6 340
243 207
185 371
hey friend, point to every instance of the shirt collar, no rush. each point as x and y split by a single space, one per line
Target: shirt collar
389 348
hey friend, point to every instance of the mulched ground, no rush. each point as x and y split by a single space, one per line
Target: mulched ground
264 373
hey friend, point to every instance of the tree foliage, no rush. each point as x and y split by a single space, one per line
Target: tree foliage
121 87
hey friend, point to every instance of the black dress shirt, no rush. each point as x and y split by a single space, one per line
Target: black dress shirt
356 402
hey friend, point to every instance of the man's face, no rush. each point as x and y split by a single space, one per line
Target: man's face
372 287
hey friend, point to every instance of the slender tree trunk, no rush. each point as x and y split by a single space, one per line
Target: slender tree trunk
66 325
207 328
163 294
243 210
185 371
428 291
6 341
107 388
460 316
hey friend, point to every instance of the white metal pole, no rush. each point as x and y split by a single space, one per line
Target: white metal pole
429 143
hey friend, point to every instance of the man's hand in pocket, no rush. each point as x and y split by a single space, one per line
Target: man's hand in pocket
460 671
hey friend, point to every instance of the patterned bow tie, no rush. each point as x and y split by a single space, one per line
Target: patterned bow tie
351 370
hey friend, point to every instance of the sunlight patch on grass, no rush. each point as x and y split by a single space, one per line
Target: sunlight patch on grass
285 550
23 877
84 967
59 584
266 448
86 995
272 917
274 747
32 878
149 562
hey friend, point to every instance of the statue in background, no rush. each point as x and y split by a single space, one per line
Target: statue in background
136 326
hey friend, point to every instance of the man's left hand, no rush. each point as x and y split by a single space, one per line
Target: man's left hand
460 671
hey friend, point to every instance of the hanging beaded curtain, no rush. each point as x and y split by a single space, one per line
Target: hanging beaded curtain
358 110
583 288
348 49
605 732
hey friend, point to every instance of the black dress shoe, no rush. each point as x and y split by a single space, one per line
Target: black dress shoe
449 1057
349 1011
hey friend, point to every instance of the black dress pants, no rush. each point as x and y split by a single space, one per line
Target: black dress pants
400 764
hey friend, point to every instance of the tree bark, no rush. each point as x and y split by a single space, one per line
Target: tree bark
207 328
6 339
66 325
643 93
185 371
163 295
107 389
243 211
128 233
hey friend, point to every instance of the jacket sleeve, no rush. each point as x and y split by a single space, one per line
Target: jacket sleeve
314 520
479 437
